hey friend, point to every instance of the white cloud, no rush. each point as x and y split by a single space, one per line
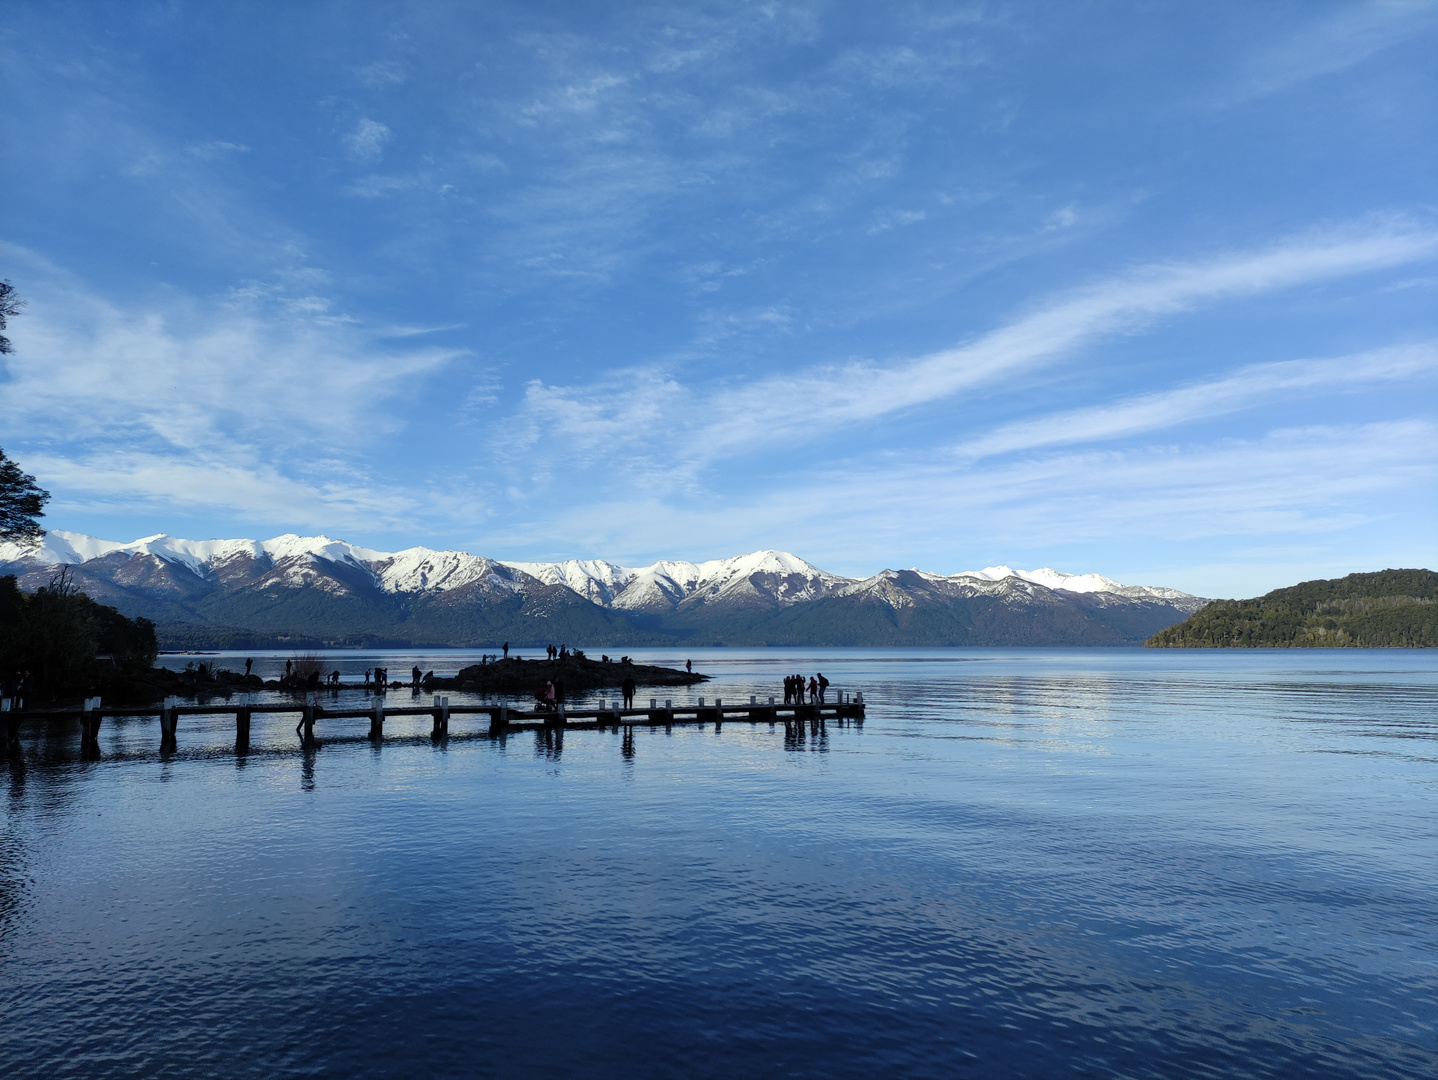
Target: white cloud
702 424
377 187
366 142
176 403
1302 485
1244 389
218 148
381 73
1343 40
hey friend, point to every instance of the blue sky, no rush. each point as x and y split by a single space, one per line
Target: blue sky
1143 289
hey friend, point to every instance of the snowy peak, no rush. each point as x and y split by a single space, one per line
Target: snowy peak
420 569
595 580
761 579
1075 583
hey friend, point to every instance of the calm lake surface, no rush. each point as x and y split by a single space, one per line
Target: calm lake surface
1028 863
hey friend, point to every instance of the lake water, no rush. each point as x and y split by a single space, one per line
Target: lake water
1031 863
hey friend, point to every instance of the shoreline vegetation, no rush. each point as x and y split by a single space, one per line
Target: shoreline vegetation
58 646
1389 609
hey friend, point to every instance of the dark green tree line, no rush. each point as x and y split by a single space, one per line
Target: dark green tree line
1386 609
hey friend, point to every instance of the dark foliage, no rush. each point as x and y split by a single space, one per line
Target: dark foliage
10 306
1387 609
21 503
69 645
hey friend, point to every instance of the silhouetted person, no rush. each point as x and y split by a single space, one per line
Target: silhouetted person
414 676
506 650
813 689
248 664
823 685
689 665
628 691
289 668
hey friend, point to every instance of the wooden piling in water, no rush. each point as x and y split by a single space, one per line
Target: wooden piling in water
440 713
169 723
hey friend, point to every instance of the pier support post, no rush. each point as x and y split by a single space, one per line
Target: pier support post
308 721
376 722
242 728
499 721
169 722
90 726
441 717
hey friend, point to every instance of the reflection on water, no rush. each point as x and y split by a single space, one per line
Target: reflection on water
1024 863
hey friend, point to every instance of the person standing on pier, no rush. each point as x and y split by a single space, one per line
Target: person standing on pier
823 685
813 689
628 691
414 677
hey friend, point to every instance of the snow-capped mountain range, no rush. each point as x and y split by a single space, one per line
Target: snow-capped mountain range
314 588
659 586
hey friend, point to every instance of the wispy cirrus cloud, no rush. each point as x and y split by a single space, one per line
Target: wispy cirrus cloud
1310 485
270 394
218 148
1344 39
704 423
1246 388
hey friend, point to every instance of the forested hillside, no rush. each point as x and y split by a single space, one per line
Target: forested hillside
1388 609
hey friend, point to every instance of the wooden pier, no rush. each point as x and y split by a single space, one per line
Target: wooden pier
496 721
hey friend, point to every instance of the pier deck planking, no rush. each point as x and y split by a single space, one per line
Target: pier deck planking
502 719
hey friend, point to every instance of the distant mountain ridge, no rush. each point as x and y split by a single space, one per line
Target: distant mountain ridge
318 589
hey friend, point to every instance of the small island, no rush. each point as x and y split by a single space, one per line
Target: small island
574 673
